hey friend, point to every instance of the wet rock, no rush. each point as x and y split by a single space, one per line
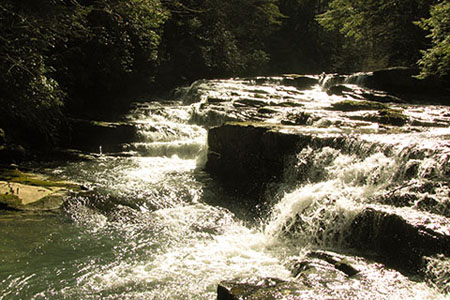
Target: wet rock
32 192
301 82
401 237
267 110
248 155
90 135
355 105
324 261
301 118
251 102
381 97
384 116
338 90
263 289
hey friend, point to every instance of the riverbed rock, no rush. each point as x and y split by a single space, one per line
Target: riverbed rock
401 237
301 82
32 192
245 156
262 289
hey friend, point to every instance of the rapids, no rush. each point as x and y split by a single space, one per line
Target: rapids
153 224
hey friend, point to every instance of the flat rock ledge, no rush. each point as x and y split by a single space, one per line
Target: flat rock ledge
32 192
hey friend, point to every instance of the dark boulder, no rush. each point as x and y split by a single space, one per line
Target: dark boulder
301 82
263 289
246 156
399 238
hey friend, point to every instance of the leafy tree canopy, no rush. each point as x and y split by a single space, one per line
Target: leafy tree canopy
436 59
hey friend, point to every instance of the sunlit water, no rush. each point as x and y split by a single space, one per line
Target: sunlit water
154 225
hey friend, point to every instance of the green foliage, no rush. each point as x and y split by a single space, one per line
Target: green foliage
30 99
377 33
300 45
436 59
114 50
213 38
57 53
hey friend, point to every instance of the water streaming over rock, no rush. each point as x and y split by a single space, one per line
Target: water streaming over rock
153 224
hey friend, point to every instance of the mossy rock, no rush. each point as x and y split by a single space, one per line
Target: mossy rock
17 176
387 117
25 191
356 105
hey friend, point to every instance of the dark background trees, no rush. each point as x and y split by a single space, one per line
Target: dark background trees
62 58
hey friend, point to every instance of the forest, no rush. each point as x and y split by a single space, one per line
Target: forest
64 58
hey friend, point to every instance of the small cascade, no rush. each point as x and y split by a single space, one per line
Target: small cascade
334 184
164 131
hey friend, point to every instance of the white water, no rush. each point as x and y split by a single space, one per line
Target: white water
155 226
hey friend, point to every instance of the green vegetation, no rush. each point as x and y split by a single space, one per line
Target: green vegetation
386 116
17 176
375 34
78 57
436 60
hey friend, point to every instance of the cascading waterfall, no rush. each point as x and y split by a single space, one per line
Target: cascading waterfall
154 225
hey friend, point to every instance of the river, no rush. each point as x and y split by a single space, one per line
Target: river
154 225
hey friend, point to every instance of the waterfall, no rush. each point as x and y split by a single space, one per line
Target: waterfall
329 201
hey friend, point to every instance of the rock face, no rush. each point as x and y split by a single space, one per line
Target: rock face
401 240
32 192
247 155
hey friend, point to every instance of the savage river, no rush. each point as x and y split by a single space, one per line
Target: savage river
154 224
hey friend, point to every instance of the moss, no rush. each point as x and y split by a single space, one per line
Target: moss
9 200
17 176
392 117
354 105
384 116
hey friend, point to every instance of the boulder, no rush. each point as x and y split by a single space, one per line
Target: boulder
400 237
247 155
301 82
32 192
262 289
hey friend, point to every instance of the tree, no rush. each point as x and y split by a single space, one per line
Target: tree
436 59
212 38
377 33
300 44
66 56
